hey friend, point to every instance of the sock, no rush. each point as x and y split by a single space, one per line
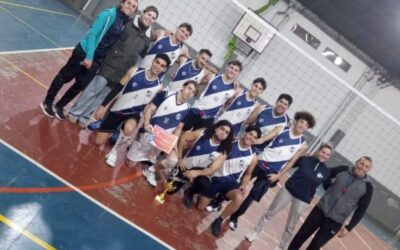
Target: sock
122 139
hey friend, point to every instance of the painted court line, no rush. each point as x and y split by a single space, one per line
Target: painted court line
32 28
97 186
377 240
25 73
28 51
38 9
26 233
13 52
362 239
86 195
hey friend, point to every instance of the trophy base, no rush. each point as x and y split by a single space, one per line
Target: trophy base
160 199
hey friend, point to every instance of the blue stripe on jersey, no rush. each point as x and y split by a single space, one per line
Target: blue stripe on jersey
136 94
186 71
202 147
213 97
168 114
217 85
266 120
164 46
237 161
139 81
202 153
280 150
238 111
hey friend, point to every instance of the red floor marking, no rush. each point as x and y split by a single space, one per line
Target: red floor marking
68 189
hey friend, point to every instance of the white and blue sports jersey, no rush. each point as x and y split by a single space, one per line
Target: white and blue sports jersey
238 111
267 121
202 153
185 73
280 150
213 97
236 163
163 45
137 93
169 113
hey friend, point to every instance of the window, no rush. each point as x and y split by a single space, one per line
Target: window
306 36
336 59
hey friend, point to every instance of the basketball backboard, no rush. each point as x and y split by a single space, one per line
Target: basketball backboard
253 33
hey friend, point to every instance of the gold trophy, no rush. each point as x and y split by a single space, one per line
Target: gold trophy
168 186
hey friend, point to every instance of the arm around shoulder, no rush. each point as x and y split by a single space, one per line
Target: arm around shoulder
269 136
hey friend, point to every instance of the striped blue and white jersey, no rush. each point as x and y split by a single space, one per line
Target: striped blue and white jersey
267 121
202 153
238 111
213 97
185 72
236 163
281 149
169 113
163 45
136 94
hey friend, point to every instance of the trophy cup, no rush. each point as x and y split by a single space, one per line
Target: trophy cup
168 186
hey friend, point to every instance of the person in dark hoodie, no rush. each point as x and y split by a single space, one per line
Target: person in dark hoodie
124 55
87 55
351 191
299 191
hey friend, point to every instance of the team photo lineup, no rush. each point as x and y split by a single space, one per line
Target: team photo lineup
161 110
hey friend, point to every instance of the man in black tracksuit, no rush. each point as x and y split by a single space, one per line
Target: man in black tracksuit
350 191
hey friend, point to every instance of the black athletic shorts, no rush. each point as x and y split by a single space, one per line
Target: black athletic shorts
193 121
113 120
221 184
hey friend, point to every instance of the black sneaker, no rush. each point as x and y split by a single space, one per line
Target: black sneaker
59 112
216 227
233 224
47 109
187 199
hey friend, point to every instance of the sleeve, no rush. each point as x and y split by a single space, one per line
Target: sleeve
362 207
328 173
143 53
159 98
114 92
95 30
333 172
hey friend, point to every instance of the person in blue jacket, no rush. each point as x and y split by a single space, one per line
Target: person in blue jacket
298 190
104 32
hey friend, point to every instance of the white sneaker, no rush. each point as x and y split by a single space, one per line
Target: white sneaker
211 208
233 224
111 159
150 177
251 236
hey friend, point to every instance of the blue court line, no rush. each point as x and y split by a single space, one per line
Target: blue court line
30 30
36 8
70 220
